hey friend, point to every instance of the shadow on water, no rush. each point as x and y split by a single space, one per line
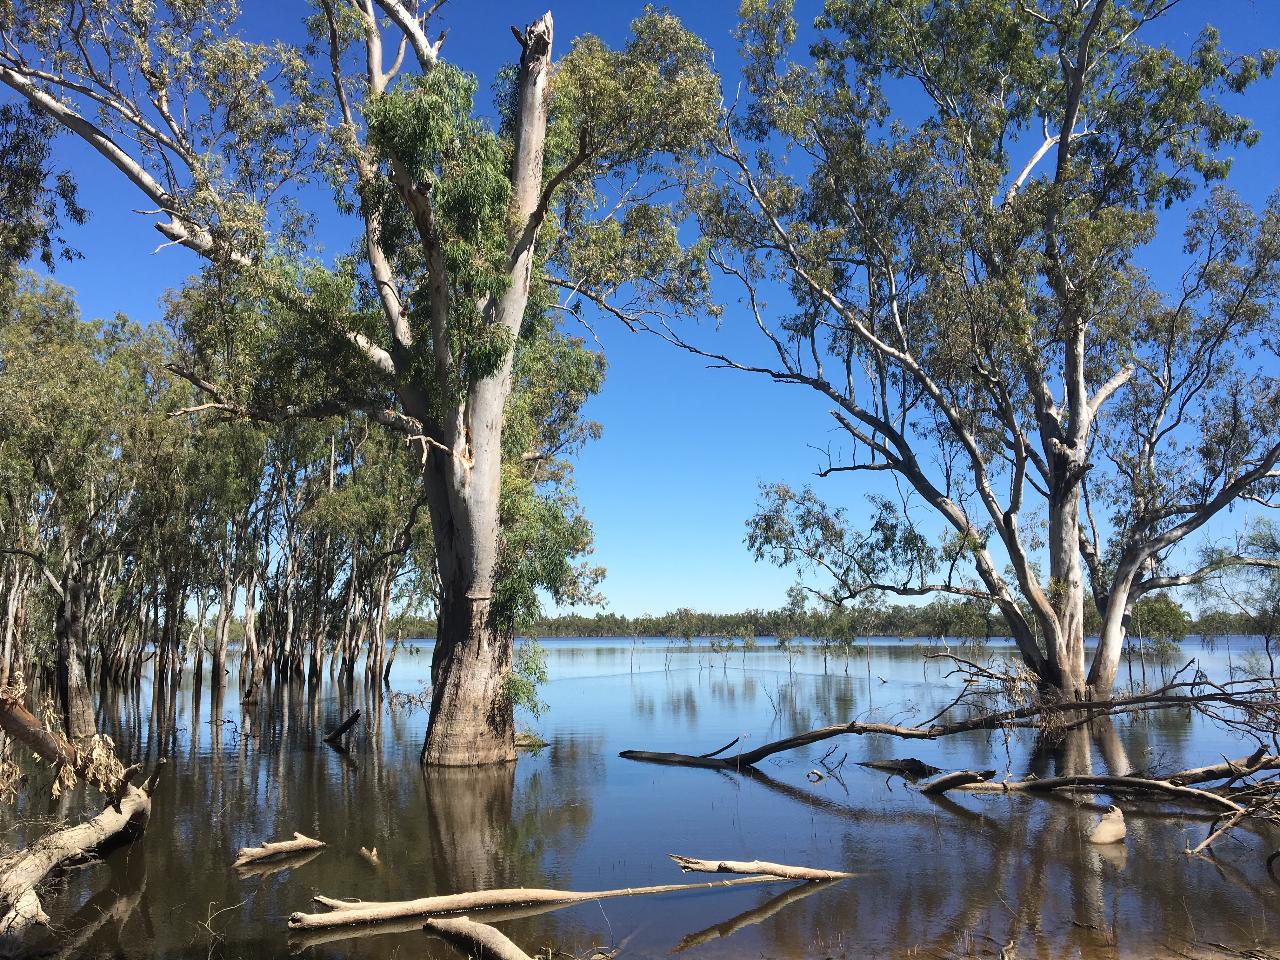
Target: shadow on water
958 876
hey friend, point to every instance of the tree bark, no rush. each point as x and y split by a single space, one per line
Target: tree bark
73 686
471 718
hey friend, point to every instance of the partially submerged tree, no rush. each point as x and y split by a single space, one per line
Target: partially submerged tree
955 198
466 233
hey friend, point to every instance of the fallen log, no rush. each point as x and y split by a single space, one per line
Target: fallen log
1102 783
348 912
301 940
955 780
477 940
334 736
277 848
1067 713
755 867
909 767
124 818
1230 770
23 872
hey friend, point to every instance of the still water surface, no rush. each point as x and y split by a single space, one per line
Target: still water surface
964 876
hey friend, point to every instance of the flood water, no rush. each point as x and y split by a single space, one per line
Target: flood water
963 876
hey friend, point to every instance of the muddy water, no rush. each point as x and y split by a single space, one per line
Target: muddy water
966 876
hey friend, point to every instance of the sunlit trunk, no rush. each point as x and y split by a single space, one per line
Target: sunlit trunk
1066 592
471 716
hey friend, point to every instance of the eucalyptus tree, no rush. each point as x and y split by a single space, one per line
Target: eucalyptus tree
936 219
467 231
78 415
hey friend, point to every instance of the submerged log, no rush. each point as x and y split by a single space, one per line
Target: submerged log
956 780
1065 713
350 912
334 736
277 848
754 867
1103 784
477 940
908 767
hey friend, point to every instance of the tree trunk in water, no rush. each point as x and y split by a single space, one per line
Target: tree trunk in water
471 718
1115 627
73 686
1066 588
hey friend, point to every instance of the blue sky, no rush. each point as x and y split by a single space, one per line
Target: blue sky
672 482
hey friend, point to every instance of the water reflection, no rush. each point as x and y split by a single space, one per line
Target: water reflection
959 876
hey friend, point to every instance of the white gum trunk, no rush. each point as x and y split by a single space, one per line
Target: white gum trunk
471 720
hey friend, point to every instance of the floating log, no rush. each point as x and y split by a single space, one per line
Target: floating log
334 736
909 767
956 779
1230 770
477 940
278 848
350 912
1104 784
781 870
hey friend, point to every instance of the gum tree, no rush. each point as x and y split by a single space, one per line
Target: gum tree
466 232
937 220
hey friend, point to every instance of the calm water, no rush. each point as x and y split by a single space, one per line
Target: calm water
958 877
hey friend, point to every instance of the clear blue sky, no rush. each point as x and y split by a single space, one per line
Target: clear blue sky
675 476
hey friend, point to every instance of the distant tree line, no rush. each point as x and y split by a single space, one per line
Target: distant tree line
1156 617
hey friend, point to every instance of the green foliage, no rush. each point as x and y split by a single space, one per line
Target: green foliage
33 196
528 672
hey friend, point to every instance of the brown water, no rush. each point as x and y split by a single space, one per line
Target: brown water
963 876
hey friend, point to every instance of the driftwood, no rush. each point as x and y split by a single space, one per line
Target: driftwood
349 912
908 767
278 848
477 940
305 939
755 867
334 736
955 780
1230 770
1103 784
